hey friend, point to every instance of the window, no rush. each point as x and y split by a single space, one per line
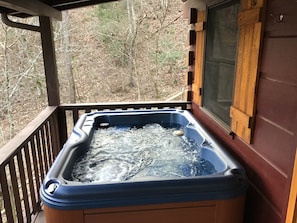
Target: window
220 59
227 63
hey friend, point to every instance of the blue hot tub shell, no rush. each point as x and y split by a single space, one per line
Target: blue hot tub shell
60 192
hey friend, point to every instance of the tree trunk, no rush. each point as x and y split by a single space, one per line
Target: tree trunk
7 85
132 32
67 57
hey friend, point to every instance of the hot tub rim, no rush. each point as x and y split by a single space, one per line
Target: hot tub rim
231 182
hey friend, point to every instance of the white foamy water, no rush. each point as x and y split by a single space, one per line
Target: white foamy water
121 154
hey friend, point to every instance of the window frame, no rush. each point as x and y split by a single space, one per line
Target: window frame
208 48
243 108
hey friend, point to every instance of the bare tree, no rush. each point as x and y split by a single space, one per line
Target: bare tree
7 106
131 37
67 57
133 55
161 16
20 63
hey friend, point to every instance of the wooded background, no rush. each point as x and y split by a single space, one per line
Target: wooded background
131 50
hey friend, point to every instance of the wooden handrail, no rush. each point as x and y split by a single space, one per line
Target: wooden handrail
6 152
75 110
127 105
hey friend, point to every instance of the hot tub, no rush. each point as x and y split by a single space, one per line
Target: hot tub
145 193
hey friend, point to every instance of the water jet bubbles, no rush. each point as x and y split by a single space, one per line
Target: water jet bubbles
117 154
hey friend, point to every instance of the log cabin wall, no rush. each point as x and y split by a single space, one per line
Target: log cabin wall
269 159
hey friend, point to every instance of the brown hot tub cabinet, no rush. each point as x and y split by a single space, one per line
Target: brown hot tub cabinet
217 197
219 211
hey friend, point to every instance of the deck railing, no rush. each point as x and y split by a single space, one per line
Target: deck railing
70 113
25 160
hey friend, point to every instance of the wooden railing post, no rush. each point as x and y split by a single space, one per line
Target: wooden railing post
49 59
62 125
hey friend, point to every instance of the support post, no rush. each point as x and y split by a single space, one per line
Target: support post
49 59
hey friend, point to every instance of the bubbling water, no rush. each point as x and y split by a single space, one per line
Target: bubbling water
121 154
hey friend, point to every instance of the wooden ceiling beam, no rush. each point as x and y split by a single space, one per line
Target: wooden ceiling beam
32 7
70 4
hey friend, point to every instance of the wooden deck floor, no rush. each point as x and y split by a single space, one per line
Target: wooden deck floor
39 218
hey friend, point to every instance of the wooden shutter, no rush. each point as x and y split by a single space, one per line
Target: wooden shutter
292 205
242 112
199 58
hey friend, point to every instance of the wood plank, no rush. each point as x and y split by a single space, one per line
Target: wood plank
39 217
88 110
37 173
63 216
75 115
61 127
49 142
44 148
269 182
54 133
195 93
190 77
247 70
279 59
174 215
219 211
292 208
276 28
239 68
243 74
277 103
254 68
251 16
15 199
39 155
240 116
247 65
131 105
250 4
259 209
24 185
200 26
199 58
49 60
6 194
191 37
241 124
274 144
230 210
1 215
32 7
65 4
191 58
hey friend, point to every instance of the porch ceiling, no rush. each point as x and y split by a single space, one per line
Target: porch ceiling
49 8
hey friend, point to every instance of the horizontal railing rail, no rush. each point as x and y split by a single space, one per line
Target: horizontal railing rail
25 160
71 112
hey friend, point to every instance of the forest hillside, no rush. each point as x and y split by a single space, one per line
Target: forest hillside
131 50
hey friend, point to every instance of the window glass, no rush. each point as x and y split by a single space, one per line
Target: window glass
220 56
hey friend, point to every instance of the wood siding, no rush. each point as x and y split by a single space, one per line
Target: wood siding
269 159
